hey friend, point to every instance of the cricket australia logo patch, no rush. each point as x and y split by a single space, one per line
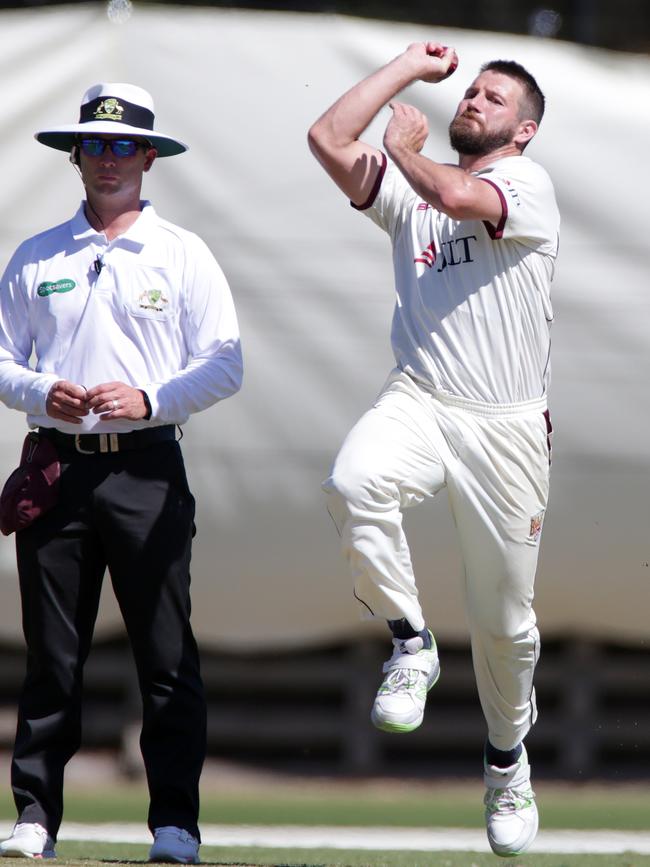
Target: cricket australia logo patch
153 299
109 109
536 523
49 287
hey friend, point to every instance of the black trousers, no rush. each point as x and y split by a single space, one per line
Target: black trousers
133 513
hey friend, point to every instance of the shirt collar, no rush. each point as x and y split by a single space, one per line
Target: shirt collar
83 231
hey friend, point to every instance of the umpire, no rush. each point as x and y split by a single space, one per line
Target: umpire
132 328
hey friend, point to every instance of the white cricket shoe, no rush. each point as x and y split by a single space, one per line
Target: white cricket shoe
510 810
174 845
28 840
410 673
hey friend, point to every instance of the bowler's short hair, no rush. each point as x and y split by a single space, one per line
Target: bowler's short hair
533 103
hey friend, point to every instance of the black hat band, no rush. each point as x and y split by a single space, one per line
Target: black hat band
110 108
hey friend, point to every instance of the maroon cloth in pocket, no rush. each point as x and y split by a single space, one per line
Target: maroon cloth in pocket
32 488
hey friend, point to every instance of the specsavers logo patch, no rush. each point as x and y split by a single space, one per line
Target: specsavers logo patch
49 288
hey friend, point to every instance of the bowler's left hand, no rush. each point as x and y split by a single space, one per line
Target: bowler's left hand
407 129
116 400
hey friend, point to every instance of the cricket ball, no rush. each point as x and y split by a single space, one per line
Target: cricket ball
453 65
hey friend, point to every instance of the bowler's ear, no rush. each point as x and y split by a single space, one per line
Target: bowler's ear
527 130
74 156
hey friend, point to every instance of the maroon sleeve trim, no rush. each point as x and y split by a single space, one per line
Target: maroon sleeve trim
375 187
496 233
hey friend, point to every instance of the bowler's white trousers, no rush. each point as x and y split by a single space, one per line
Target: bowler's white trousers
494 461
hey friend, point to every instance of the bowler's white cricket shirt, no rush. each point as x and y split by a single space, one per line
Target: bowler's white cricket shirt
473 310
159 316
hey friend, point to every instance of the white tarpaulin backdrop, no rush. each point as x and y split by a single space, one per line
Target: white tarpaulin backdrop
312 284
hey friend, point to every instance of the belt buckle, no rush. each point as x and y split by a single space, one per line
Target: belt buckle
77 445
109 443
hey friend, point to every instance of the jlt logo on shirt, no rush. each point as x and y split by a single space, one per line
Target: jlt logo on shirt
454 252
49 288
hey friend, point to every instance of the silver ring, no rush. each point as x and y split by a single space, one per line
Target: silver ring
116 404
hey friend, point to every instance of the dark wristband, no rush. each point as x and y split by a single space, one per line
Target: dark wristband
147 404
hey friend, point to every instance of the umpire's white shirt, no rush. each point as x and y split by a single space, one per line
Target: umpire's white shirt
159 316
473 311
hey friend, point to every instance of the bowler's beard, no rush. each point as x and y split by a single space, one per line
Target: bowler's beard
475 141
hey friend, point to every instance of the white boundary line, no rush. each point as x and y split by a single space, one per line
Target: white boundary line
418 839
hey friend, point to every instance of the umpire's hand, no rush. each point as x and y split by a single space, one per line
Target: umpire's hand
66 401
116 400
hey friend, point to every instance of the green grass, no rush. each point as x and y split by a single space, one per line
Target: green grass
625 808
98 854
307 802
330 858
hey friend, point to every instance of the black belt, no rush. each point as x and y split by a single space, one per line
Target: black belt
107 443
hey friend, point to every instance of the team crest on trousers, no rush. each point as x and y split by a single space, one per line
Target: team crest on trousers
536 527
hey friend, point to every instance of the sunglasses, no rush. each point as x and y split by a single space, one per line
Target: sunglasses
95 147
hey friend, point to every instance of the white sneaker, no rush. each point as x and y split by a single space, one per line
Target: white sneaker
175 845
510 810
410 673
28 840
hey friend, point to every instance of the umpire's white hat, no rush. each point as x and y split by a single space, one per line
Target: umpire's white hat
113 109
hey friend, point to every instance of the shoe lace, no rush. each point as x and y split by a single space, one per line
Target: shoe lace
508 800
401 680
